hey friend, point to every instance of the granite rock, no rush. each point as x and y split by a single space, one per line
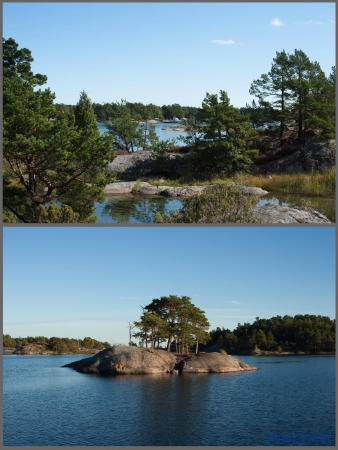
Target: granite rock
313 157
124 360
287 214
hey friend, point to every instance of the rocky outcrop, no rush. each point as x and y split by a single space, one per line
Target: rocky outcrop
312 157
144 188
136 164
139 164
123 187
286 214
250 190
168 191
124 360
31 349
214 362
317 157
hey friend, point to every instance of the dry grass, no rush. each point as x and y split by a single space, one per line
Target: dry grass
317 184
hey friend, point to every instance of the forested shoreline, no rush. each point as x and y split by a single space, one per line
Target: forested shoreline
106 112
309 334
306 333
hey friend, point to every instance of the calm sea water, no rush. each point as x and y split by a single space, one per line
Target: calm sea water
45 404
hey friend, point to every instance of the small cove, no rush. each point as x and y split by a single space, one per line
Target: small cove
130 208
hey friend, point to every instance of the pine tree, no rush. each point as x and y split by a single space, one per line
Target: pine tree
125 129
275 85
176 319
221 135
299 92
84 113
47 160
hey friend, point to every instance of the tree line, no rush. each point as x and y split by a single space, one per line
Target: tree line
55 344
106 112
307 333
182 327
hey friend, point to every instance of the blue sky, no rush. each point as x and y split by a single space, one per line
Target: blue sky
90 281
165 53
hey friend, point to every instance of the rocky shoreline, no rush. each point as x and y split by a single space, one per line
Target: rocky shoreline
269 214
273 214
127 360
39 349
144 188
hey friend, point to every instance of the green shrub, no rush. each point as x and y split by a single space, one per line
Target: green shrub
160 157
223 203
253 154
135 187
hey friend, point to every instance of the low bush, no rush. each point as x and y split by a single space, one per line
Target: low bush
223 203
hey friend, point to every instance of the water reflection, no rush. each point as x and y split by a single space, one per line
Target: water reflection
172 408
181 403
141 209
134 208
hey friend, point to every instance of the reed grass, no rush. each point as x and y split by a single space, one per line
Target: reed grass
314 183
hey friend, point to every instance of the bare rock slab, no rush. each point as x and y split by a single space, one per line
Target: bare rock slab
123 187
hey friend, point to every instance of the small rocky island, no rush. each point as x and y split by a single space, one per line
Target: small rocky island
125 360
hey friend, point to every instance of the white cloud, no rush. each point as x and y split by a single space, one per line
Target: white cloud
332 21
235 302
276 22
220 42
309 22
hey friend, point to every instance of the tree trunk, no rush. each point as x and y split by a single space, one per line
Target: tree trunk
169 344
300 128
281 132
